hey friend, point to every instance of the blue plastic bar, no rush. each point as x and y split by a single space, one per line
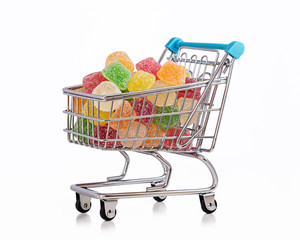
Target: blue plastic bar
234 49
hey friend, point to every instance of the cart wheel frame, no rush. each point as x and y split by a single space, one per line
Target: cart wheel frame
208 203
83 203
158 198
108 209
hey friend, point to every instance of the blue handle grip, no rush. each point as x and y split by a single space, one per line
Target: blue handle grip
234 49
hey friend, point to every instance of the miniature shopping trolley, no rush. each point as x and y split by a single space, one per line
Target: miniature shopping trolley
199 117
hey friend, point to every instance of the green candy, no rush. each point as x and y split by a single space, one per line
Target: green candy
126 91
79 124
165 119
117 74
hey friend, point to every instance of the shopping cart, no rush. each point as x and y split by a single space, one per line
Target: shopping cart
200 117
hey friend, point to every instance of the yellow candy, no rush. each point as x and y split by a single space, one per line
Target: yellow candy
188 73
121 57
141 81
161 98
187 107
102 115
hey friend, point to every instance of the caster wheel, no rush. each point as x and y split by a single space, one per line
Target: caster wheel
158 199
206 205
107 214
82 207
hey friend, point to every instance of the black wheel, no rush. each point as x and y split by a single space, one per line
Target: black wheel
79 207
205 208
104 214
158 199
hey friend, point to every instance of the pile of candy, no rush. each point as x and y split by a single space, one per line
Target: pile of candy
118 77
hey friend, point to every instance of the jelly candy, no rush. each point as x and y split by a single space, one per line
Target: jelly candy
161 98
171 133
117 74
107 88
78 129
121 57
91 81
165 119
101 133
190 92
172 73
135 130
148 109
141 81
77 103
88 111
188 106
152 133
126 113
149 65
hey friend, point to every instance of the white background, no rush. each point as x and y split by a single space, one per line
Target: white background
48 45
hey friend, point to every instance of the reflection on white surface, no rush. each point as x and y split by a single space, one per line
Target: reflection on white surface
208 220
108 226
83 219
159 208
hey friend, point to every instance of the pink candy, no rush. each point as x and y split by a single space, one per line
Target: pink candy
148 65
190 92
91 81
112 134
148 109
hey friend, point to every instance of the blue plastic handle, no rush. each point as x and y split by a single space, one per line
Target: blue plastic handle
234 49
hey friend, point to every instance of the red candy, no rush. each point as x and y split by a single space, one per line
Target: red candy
148 108
112 134
149 65
91 81
190 92
171 133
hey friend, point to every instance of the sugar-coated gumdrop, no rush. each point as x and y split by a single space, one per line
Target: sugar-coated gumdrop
149 65
161 98
135 130
107 88
153 133
121 57
188 106
88 111
117 74
86 128
77 103
101 133
126 113
172 73
171 133
141 81
188 74
165 119
190 92
140 111
91 81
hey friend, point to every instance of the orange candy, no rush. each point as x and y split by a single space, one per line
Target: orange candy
121 57
127 110
79 101
152 133
172 73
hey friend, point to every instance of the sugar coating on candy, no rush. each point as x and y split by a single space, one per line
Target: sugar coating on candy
161 98
78 102
171 133
117 74
78 129
152 132
172 73
188 105
88 111
126 113
107 88
165 119
135 130
121 57
91 81
188 74
101 133
140 111
149 65
190 92
141 81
